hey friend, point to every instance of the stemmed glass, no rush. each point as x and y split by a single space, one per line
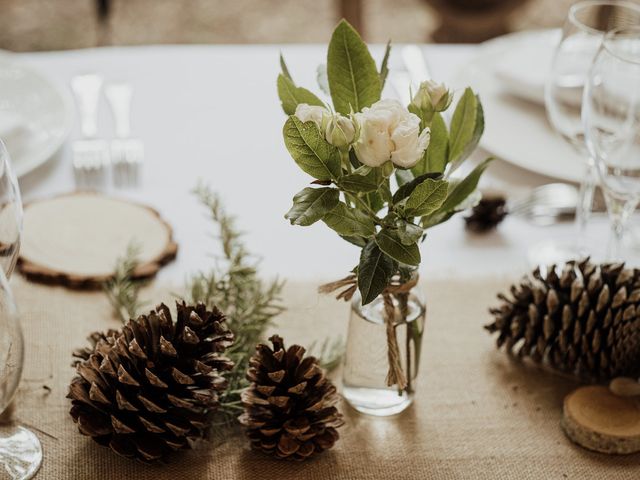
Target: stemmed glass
582 34
611 117
20 450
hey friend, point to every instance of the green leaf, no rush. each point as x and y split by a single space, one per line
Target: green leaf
464 188
283 67
467 126
384 194
384 68
357 241
390 244
364 179
435 157
353 78
427 197
374 272
291 96
311 204
349 222
310 150
436 219
375 200
408 233
405 190
353 159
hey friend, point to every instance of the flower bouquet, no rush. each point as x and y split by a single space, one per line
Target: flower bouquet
382 175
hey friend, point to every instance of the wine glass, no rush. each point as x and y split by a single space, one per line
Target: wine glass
20 450
10 214
584 27
611 117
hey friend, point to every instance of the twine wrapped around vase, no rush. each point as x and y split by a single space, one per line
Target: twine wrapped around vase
348 287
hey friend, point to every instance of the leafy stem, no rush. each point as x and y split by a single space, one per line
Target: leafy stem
122 290
362 204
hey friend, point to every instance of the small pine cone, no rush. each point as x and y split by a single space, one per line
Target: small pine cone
149 389
487 214
290 407
582 319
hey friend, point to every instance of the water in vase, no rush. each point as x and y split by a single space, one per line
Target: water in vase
366 359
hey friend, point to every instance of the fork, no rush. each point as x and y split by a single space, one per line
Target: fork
546 204
90 154
127 153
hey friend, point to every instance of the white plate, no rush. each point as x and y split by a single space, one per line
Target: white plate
517 130
46 109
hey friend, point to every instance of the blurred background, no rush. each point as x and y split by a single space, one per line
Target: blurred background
32 25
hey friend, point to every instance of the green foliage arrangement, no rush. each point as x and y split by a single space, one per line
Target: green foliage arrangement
382 171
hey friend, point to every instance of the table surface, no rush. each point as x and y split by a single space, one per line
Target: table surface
212 113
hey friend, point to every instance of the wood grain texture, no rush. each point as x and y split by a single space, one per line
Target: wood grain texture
75 239
599 420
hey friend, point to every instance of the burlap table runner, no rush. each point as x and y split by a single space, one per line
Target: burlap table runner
477 414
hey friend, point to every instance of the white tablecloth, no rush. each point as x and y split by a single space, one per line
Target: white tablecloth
212 113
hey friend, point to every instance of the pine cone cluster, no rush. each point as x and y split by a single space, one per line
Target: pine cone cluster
582 319
290 407
149 389
487 214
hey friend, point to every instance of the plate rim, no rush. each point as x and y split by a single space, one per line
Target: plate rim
21 169
485 49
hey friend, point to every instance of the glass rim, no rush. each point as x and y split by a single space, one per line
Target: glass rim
634 32
576 7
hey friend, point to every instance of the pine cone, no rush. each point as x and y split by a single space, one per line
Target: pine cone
586 321
290 407
148 390
486 215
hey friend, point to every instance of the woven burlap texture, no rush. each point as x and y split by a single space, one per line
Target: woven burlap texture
477 414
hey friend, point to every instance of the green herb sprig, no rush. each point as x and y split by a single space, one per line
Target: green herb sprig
122 290
235 287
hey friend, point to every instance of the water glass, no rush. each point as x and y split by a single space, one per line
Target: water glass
611 117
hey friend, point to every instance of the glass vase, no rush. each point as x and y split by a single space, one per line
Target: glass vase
377 336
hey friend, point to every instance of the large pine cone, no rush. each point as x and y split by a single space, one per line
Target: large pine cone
290 407
583 319
149 389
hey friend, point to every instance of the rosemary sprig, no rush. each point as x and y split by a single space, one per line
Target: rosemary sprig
233 286
122 290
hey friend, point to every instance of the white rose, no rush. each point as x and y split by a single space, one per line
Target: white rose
340 131
410 145
432 96
311 113
388 131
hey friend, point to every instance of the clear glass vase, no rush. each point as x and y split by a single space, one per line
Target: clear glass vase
367 358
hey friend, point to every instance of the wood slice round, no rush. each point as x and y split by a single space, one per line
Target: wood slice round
599 420
76 239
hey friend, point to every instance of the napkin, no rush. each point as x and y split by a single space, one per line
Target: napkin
523 69
14 131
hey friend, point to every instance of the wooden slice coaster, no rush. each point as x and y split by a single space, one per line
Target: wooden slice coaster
599 420
75 240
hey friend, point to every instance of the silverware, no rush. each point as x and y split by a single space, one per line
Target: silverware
127 153
546 204
90 154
